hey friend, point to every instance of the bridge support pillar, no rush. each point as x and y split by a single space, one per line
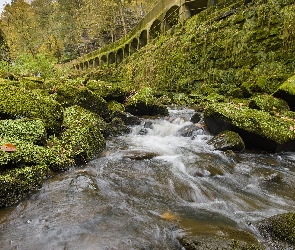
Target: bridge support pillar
184 13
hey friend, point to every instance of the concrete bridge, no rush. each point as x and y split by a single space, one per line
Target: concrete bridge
160 19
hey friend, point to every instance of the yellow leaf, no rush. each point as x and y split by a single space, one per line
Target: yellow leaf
169 216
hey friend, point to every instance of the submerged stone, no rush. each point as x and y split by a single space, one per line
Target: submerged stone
228 140
258 129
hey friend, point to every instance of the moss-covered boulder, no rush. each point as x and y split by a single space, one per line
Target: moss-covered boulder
281 230
15 184
227 140
20 103
145 103
108 91
287 92
24 129
257 128
268 103
82 135
68 95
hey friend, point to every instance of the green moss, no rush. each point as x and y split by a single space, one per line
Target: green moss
18 103
109 91
82 133
115 106
145 103
254 121
281 227
228 140
23 129
68 95
288 86
15 184
268 103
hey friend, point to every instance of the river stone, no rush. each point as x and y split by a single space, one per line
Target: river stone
196 118
257 128
228 140
287 92
190 130
127 118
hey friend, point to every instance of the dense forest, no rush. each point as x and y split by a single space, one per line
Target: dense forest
66 29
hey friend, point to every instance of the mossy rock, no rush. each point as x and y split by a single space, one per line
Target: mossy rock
227 140
108 91
115 106
257 128
82 133
281 228
68 95
25 153
24 129
145 103
15 184
268 103
287 92
20 103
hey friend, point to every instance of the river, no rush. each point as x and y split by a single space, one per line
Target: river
150 187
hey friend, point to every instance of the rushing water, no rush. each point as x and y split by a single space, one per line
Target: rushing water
149 188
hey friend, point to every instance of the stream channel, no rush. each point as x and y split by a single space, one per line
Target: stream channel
149 188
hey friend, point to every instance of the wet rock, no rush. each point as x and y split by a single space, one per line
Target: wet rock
258 129
143 131
279 230
190 130
196 118
148 124
228 140
118 127
287 92
145 103
127 118
138 155
216 242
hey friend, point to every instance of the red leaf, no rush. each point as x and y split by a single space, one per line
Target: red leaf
8 147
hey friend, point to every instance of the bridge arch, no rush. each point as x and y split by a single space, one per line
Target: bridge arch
133 46
111 58
91 63
96 62
155 29
171 17
126 50
103 60
81 66
119 56
143 39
